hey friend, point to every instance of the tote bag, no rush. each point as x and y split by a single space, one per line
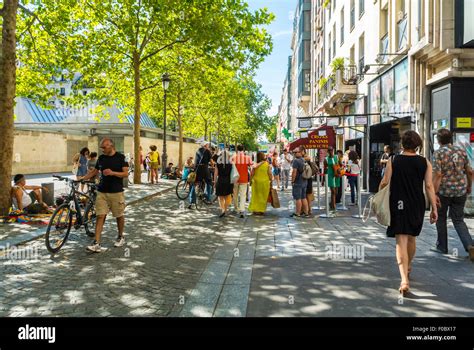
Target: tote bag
234 175
380 205
275 200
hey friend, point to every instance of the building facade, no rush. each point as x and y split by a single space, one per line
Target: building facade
380 67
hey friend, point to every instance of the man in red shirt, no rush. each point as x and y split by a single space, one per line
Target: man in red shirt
242 163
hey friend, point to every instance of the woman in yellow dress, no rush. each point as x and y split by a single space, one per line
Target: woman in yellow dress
261 183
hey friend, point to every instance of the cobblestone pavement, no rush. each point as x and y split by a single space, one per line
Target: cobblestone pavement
185 263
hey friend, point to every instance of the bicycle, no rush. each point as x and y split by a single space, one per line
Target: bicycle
183 188
201 197
69 213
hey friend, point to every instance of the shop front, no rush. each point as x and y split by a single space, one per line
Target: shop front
390 115
452 107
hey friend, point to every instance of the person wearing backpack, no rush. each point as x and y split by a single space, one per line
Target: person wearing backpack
332 167
314 172
299 182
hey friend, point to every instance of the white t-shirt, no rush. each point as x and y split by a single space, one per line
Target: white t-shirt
355 168
25 199
286 164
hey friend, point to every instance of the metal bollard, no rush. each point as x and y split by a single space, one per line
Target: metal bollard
328 213
359 198
342 206
318 185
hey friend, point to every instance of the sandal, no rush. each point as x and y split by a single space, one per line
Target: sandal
404 289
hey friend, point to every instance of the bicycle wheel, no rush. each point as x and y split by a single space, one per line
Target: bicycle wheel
89 220
59 228
200 198
182 189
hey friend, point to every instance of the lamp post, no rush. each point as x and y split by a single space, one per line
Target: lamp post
165 78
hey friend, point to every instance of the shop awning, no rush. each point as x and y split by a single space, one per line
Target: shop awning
320 138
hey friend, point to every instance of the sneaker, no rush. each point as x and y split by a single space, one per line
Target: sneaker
95 248
190 206
294 215
471 253
241 215
119 242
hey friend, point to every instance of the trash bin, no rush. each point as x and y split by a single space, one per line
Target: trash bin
48 197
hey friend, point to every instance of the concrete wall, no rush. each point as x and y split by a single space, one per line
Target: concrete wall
36 152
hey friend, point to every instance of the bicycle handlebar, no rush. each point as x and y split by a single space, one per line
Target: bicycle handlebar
67 179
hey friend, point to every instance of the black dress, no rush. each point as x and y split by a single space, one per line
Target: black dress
223 186
407 200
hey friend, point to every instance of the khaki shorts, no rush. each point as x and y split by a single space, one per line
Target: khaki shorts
115 202
154 165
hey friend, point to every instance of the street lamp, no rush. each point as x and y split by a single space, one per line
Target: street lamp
165 78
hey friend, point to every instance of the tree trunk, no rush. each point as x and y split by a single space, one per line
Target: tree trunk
180 132
7 100
137 174
205 129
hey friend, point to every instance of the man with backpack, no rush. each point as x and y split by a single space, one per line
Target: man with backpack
299 181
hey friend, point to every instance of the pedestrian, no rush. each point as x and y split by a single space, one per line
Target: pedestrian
340 157
187 168
91 163
299 185
141 159
112 169
261 181
353 173
242 162
224 187
276 170
405 173
452 183
331 163
147 166
309 187
154 163
388 153
285 161
201 166
80 162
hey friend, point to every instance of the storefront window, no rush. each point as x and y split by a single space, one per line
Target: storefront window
387 93
401 86
374 101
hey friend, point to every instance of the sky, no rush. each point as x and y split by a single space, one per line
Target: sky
272 72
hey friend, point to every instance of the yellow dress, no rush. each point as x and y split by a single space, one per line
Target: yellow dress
260 189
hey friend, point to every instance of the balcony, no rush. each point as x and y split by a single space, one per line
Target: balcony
340 86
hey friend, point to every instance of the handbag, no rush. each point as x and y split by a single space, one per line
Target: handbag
380 204
234 174
275 200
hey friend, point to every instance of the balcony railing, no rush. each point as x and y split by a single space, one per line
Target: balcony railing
343 81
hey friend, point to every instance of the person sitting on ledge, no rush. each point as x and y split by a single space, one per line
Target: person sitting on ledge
28 202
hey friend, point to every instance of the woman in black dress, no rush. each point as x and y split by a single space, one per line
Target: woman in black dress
224 188
406 173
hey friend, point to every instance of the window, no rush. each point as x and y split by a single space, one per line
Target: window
329 48
361 7
402 33
384 41
62 92
464 12
352 56
334 41
307 80
420 29
401 85
307 21
361 53
84 92
307 50
342 26
353 10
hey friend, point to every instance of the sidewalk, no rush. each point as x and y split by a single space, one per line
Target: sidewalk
13 234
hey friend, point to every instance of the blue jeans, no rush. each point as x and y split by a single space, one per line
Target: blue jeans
353 184
192 191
